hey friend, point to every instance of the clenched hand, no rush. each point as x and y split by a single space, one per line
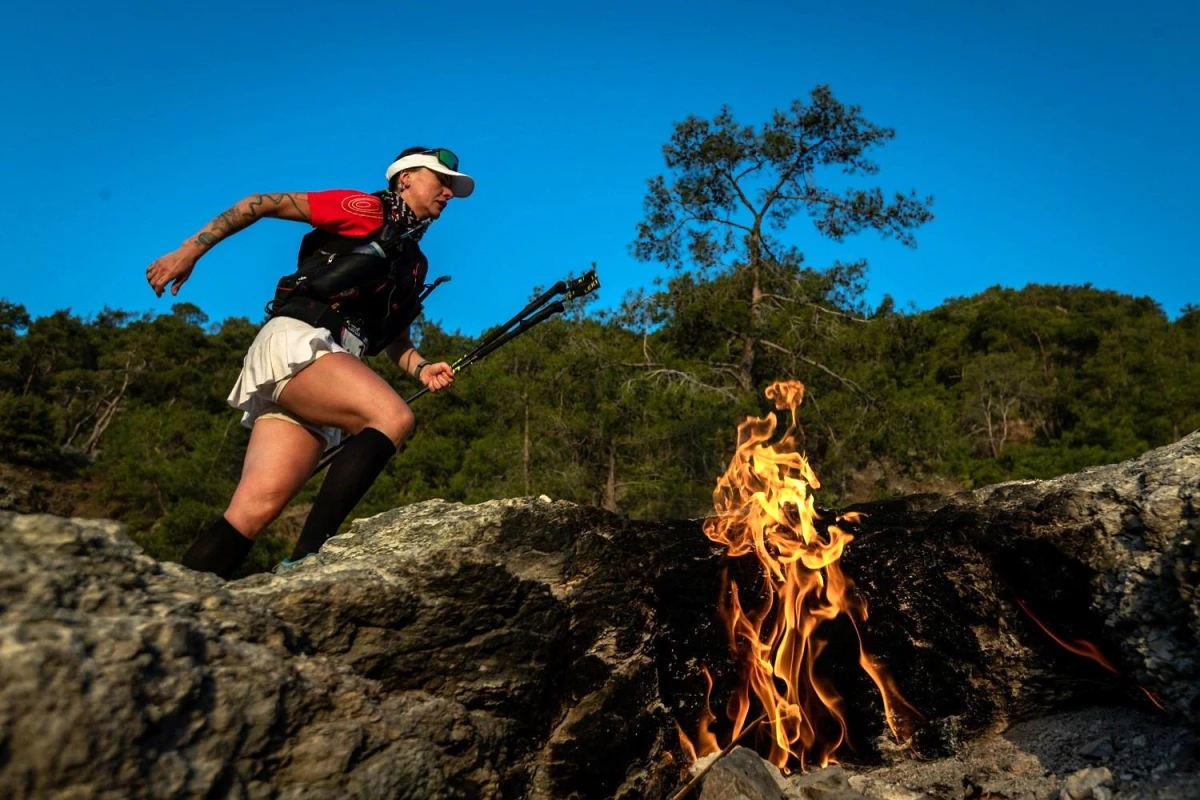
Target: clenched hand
436 377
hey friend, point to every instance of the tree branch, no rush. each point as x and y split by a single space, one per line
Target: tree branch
757 165
742 195
680 377
818 307
779 348
784 176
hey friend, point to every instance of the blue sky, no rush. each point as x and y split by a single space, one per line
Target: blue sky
1057 138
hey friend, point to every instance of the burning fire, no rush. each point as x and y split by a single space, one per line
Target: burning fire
763 507
1082 647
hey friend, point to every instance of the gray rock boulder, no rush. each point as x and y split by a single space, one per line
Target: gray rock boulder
537 614
499 650
529 648
121 676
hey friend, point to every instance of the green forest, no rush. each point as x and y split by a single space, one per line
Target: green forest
636 409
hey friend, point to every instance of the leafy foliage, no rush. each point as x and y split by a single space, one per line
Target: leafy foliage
636 411
1006 384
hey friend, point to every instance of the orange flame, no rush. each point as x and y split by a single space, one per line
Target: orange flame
707 741
1082 647
763 506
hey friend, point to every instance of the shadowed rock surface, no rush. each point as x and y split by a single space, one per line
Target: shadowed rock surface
529 648
1110 555
498 650
539 614
1097 754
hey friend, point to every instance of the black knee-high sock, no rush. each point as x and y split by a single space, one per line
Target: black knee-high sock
221 549
350 475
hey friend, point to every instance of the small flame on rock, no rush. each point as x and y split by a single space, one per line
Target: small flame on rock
763 506
1082 647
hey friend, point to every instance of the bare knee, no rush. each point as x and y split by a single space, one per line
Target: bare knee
251 512
396 421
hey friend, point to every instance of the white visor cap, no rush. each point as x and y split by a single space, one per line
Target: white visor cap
462 185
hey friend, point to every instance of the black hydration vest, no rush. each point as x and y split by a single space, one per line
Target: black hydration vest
362 288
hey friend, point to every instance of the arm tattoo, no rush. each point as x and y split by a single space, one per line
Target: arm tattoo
227 222
239 216
275 199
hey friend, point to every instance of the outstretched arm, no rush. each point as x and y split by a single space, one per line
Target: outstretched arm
176 267
286 205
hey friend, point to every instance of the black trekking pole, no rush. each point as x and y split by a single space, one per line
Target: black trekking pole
578 287
502 335
498 342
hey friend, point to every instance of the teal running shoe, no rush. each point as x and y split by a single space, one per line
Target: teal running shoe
287 565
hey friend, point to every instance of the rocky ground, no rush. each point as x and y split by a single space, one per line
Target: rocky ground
529 648
1102 753
440 651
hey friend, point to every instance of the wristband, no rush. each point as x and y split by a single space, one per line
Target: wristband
420 367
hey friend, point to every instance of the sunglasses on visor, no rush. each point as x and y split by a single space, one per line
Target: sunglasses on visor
445 157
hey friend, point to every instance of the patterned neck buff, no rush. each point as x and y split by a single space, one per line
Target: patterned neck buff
404 218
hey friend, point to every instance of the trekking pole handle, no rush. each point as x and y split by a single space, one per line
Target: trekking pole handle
429 287
586 283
